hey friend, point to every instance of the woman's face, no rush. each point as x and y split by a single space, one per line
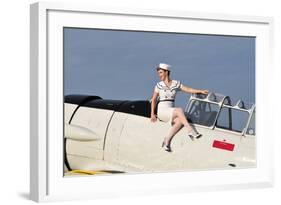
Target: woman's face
162 74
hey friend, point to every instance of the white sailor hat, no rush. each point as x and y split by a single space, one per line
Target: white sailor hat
164 66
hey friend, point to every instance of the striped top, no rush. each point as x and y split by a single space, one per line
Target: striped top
167 93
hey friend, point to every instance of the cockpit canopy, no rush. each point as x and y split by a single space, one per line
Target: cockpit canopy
217 110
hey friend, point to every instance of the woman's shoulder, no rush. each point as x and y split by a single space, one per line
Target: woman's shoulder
160 83
176 82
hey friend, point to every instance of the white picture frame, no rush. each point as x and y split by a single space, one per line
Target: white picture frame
46 160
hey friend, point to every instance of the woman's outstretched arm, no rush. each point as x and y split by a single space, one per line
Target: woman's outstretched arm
192 90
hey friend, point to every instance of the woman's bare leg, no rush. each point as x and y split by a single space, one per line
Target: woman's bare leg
178 112
174 129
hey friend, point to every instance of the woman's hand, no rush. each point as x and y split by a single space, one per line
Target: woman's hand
205 92
153 118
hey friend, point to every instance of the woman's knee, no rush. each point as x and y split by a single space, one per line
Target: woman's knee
176 120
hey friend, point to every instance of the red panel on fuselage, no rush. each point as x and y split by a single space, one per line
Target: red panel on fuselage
223 145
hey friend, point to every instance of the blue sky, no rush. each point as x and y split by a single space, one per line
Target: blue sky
121 64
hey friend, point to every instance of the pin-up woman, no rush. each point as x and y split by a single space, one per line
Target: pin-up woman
167 89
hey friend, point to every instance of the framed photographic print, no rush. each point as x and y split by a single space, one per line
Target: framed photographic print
134 101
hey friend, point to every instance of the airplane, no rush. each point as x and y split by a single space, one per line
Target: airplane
116 136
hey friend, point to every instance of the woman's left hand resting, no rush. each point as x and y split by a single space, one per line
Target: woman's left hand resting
205 92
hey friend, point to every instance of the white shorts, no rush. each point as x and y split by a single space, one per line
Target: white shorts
165 114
